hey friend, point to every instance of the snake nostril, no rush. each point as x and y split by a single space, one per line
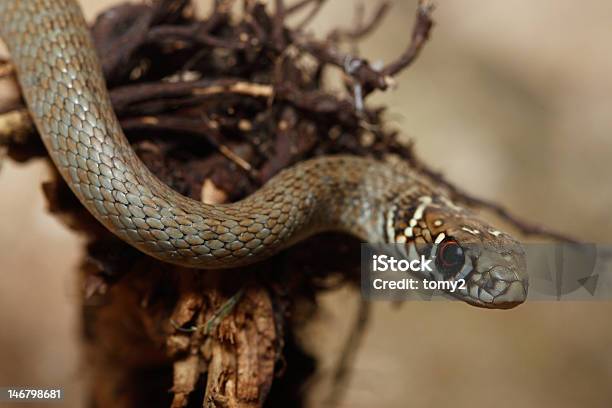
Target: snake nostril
489 283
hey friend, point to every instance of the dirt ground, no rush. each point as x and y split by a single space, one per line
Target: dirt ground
512 101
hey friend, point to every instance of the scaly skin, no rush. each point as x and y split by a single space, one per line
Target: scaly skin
61 80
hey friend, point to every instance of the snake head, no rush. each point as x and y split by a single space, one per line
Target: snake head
489 264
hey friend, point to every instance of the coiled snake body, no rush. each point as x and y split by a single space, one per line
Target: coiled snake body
61 80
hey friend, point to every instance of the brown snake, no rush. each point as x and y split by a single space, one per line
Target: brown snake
378 202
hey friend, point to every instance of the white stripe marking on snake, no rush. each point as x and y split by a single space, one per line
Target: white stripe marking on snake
471 231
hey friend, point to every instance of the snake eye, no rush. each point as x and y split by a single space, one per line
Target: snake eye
450 257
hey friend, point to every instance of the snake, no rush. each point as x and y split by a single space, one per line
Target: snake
377 201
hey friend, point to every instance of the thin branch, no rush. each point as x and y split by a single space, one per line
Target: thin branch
119 48
348 355
187 126
253 10
366 77
311 15
226 308
218 15
363 29
125 96
420 35
294 8
278 26
359 69
192 34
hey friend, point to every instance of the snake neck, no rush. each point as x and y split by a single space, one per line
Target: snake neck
354 195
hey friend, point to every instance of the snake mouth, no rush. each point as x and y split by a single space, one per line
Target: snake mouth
515 295
497 288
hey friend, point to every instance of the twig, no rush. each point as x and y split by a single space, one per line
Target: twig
364 29
182 125
239 161
192 34
311 15
360 69
125 96
347 357
217 317
316 101
329 54
278 27
238 87
420 35
119 48
225 309
294 8
218 15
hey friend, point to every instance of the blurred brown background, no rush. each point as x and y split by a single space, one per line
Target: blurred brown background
513 101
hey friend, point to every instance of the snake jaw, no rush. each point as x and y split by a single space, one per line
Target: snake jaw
495 294
499 281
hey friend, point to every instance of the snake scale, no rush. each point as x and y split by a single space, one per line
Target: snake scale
378 202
